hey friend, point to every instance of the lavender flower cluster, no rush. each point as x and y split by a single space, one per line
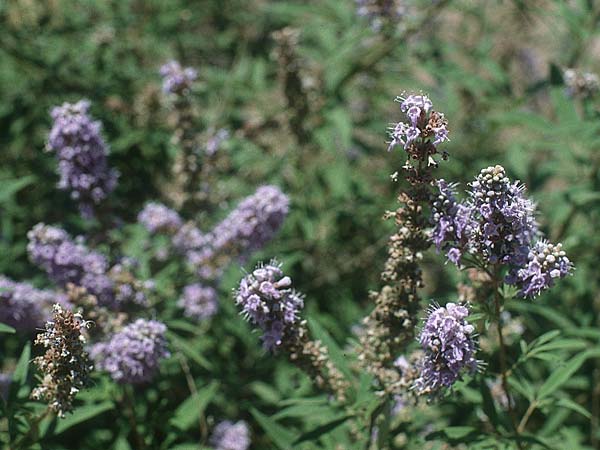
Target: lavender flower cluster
81 150
425 129
133 354
177 79
231 436
24 307
449 347
496 226
546 262
157 218
198 302
269 302
69 261
252 223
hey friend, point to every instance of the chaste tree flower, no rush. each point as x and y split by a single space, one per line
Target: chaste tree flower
24 307
157 218
424 131
70 261
199 302
133 354
177 79
82 152
268 301
496 226
231 436
447 340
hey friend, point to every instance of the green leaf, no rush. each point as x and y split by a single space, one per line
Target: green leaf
11 187
278 434
22 369
188 350
190 410
338 357
81 415
562 374
570 404
316 433
459 432
6 329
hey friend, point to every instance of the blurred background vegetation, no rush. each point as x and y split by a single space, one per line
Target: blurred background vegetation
306 90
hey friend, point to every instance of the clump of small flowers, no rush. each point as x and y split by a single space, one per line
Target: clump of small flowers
198 302
496 226
268 301
128 290
546 262
82 155
157 218
425 129
133 354
246 229
68 261
24 307
231 436
65 366
177 79
581 84
447 340
390 326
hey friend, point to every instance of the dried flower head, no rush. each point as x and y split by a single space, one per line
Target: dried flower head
198 302
82 152
65 365
268 301
133 354
581 84
231 436
449 347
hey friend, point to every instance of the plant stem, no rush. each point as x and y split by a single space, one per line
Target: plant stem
128 400
503 365
526 417
194 391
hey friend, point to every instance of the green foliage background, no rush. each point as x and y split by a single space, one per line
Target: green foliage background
494 68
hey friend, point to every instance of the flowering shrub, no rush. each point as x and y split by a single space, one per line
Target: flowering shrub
134 310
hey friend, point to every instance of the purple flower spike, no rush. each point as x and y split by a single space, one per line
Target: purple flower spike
447 340
198 302
24 307
133 355
545 263
157 218
268 301
231 436
82 152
